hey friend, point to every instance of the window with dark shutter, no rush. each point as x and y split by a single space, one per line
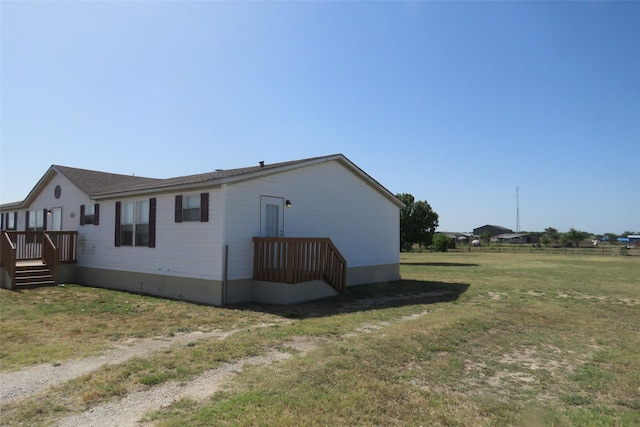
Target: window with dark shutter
136 222
96 214
88 214
44 219
192 208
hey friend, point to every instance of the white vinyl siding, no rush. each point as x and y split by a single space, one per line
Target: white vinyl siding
328 200
192 251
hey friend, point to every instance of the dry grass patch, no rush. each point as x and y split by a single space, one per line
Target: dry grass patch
50 325
464 339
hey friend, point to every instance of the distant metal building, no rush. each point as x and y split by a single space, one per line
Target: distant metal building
493 230
517 238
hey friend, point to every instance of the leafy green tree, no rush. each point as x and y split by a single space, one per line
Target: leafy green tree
418 222
576 236
441 243
552 234
612 237
486 237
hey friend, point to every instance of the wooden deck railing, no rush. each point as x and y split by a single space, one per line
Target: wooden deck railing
8 257
29 244
295 260
50 256
67 244
52 247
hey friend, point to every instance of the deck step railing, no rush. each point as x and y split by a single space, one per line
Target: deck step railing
52 247
301 259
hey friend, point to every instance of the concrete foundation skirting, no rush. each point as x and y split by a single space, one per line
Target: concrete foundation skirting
373 274
66 273
211 291
5 280
286 293
178 288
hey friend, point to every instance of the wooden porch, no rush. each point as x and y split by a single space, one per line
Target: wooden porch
31 258
296 260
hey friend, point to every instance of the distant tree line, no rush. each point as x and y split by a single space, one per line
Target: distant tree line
418 223
575 237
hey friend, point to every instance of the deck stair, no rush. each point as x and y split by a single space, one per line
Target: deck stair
33 275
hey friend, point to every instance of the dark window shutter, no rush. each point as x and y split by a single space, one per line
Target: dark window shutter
96 214
179 208
117 236
26 224
152 222
44 219
204 207
2 221
81 214
15 220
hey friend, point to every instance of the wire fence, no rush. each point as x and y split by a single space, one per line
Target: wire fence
603 250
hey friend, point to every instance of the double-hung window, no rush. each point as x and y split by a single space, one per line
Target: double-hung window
9 221
89 214
192 208
135 223
35 220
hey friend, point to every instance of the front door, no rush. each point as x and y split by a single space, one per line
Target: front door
271 216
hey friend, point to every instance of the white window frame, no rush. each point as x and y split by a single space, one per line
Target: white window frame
38 217
11 221
89 213
134 219
191 208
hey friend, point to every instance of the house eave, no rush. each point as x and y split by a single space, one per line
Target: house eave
159 190
217 182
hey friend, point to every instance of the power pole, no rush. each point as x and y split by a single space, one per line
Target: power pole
517 210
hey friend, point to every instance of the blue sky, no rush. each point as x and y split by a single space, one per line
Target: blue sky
456 103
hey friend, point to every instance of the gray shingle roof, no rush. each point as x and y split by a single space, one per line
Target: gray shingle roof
106 185
96 183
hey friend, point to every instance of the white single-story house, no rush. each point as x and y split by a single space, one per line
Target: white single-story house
275 233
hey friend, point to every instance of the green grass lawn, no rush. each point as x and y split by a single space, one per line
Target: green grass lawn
464 339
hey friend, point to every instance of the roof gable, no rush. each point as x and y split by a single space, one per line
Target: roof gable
95 182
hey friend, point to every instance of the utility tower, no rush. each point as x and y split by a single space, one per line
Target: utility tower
517 210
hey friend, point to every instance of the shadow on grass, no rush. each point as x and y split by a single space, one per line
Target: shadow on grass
440 264
365 297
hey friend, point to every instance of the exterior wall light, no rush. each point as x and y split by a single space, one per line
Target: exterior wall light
288 203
